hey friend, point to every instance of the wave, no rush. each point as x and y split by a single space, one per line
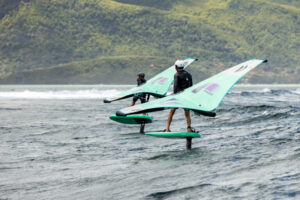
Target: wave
259 118
265 91
279 92
249 91
249 108
259 113
59 94
297 91
171 193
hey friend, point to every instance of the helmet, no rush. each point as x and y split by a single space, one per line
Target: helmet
141 74
179 64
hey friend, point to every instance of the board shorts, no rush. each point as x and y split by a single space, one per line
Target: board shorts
185 109
140 97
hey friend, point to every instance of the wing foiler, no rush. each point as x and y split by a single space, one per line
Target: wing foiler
157 86
204 97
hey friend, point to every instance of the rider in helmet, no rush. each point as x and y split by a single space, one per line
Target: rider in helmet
142 97
182 80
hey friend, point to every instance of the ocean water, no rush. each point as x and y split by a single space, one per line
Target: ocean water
57 142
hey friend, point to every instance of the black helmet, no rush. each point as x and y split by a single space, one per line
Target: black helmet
141 74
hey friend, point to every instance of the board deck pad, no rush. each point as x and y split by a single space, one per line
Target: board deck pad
174 134
132 119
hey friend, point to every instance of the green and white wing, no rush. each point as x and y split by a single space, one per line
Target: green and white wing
157 86
128 93
172 101
204 97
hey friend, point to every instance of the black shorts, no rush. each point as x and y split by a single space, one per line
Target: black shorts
185 109
139 97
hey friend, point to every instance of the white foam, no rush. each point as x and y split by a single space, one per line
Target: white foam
297 91
266 90
59 94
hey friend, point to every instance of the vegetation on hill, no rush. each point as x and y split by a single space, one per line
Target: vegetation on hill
123 70
109 70
42 36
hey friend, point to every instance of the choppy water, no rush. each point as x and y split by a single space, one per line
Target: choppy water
58 143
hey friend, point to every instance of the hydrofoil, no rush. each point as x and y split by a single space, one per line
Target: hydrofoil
133 119
177 135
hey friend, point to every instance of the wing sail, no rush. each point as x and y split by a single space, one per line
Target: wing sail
157 86
204 97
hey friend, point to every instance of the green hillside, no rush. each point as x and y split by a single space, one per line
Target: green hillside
45 35
121 69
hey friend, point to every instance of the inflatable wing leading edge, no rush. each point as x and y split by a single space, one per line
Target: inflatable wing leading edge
157 86
204 97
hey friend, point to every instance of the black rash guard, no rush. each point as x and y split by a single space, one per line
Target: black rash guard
141 81
182 80
142 97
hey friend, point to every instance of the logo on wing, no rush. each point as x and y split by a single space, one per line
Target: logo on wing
172 101
241 68
197 89
212 87
209 88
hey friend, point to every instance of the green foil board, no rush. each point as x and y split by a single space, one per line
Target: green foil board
174 134
132 119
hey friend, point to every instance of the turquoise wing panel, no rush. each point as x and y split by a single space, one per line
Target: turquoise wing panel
172 101
209 93
161 83
203 97
156 86
128 93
